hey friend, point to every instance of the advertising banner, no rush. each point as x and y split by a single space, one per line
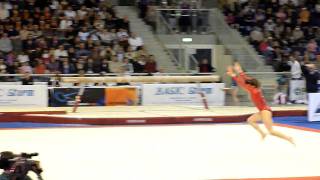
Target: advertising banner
121 96
187 94
314 107
66 96
298 90
19 95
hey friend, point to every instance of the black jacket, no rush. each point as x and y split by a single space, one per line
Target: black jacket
312 78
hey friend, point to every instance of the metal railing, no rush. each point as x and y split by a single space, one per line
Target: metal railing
187 21
235 44
193 63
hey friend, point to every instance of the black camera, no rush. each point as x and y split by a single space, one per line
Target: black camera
18 165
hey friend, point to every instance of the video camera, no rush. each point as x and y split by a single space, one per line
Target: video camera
18 165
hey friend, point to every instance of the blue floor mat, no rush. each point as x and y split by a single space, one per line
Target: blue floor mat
301 121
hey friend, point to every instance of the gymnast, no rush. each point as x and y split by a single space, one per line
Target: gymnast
252 86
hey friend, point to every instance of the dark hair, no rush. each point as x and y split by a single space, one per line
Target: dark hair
253 82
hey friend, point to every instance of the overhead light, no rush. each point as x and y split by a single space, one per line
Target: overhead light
186 39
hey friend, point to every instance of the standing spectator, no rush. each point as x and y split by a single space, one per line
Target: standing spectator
205 67
143 6
312 76
296 71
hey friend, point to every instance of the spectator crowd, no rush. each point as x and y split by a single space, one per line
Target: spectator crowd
69 36
285 32
279 29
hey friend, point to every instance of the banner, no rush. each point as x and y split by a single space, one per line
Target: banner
28 95
187 94
66 96
314 107
121 96
297 91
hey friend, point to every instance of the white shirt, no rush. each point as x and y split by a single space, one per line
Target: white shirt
135 42
83 35
57 53
65 24
295 69
70 14
23 58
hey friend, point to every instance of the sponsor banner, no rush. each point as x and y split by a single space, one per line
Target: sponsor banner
187 94
66 96
297 90
314 107
121 96
19 95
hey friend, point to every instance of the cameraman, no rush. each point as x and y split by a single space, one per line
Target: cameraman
5 165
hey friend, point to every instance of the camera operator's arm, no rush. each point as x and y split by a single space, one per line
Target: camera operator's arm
5 175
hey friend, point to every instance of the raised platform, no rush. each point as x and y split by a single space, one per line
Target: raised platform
122 115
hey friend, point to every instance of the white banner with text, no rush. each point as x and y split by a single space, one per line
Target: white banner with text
24 95
186 94
314 107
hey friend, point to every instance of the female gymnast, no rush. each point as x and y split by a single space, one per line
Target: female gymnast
252 86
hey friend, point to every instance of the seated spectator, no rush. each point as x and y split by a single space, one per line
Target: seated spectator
55 80
25 68
60 52
150 65
82 51
123 37
53 65
3 67
40 67
84 34
66 67
135 41
115 65
104 67
5 43
27 79
127 66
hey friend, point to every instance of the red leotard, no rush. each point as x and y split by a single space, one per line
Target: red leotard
255 93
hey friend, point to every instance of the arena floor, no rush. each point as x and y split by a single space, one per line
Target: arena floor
166 152
162 152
